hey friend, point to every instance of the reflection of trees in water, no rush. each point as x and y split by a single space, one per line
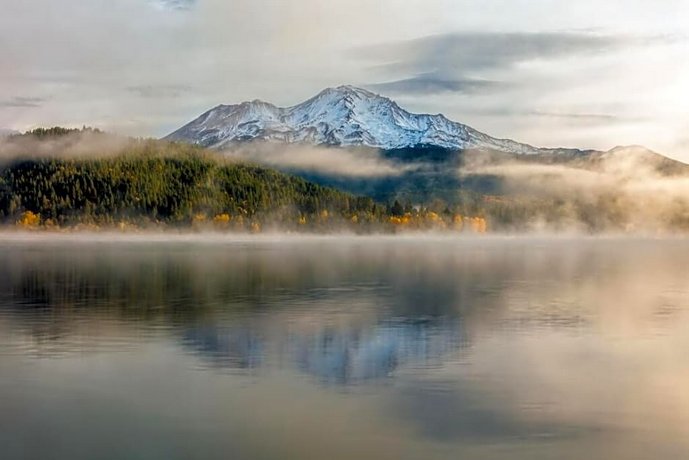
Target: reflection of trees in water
55 294
178 284
50 292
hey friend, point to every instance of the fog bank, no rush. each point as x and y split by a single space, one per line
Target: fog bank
626 189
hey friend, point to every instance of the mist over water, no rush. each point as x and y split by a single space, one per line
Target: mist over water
343 347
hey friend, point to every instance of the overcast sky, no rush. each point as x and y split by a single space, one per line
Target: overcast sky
586 73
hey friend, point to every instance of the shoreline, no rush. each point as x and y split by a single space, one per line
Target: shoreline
210 237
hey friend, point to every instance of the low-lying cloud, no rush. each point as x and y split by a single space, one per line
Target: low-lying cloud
363 163
337 162
75 144
626 189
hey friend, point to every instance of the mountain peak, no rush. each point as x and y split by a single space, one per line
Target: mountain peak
348 95
342 116
258 102
349 90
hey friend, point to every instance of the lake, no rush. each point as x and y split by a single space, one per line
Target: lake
342 347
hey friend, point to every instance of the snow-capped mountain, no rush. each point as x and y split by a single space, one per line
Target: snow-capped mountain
342 116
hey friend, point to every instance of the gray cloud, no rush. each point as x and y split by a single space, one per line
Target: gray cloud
572 117
159 91
434 84
488 50
175 4
22 101
584 118
595 117
457 62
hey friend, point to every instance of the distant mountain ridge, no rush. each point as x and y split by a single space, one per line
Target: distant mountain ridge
342 116
4 132
418 158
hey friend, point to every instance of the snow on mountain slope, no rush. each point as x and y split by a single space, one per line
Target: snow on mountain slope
342 116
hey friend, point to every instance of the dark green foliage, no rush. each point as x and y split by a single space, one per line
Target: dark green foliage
397 209
57 131
156 182
431 173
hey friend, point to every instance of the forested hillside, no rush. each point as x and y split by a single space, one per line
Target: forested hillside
57 178
148 184
173 189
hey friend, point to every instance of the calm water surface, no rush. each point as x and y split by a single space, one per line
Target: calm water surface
343 348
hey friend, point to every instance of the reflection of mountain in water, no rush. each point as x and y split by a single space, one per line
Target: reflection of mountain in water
226 347
335 356
344 357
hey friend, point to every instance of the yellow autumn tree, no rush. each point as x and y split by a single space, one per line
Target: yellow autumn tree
478 225
29 219
222 220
